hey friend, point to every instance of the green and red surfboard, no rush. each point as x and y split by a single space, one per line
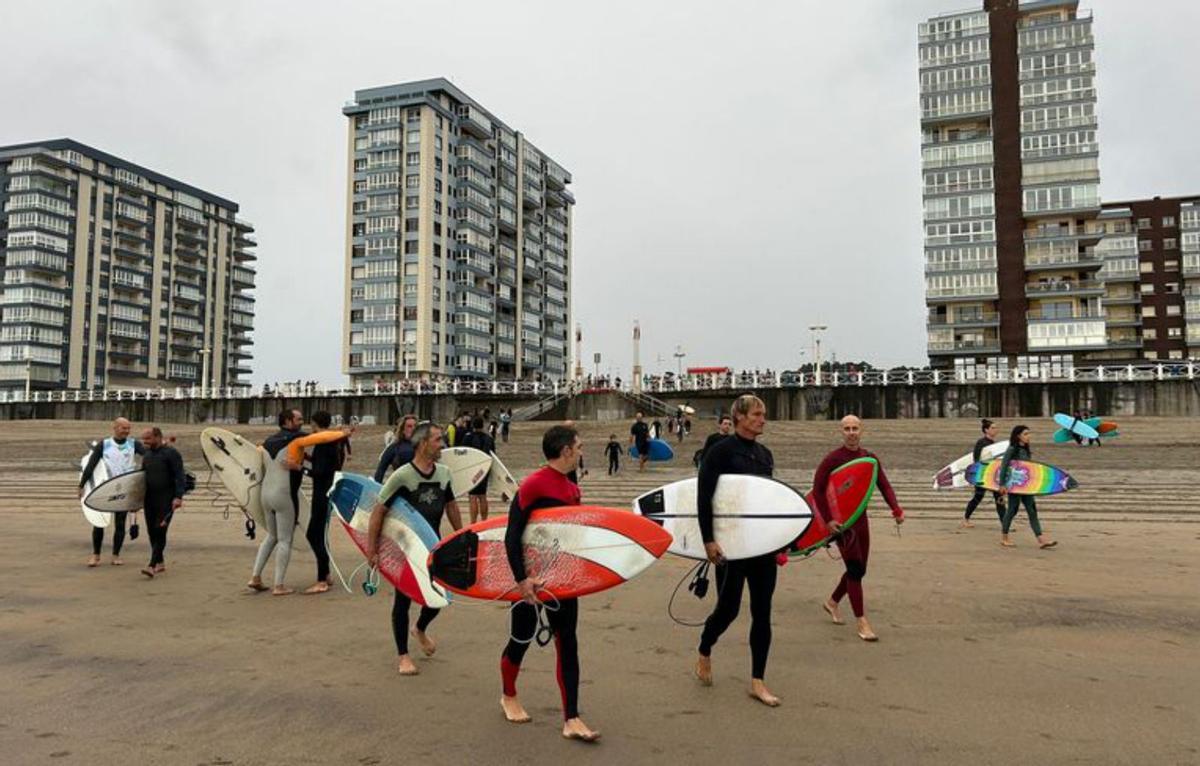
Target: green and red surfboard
848 494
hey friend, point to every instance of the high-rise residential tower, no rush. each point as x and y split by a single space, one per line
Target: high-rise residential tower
1010 159
458 242
118 276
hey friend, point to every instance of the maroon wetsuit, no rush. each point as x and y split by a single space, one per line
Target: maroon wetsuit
855 545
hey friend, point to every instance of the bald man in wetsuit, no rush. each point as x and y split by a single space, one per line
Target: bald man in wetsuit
855 542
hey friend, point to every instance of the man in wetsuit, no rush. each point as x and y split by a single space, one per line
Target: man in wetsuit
423 483
325 461
547 487
855 542
987 440
166 484
120 455
479 439
612 451
738 454
639 436
724 428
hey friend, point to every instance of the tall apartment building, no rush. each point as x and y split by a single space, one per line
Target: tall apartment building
118 276
458 241
1010 159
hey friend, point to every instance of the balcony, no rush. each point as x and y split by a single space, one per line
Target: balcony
244 277
961 294
965 319
187 293
1123 342
1061 258
531 198
1122 299
1191 265
1061 316
988 346
1107 274
1062 234
1067 334
1064 288
1124 320
474 121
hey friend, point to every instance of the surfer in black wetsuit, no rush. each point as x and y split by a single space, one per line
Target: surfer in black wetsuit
166 484
639 436
988 439
1018 449
724 428
480 440
548 487
738 454
399 451
324 462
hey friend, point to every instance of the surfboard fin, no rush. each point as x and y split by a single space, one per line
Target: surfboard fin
454 561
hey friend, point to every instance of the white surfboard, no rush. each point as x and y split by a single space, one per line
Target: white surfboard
752 515
467 467
239 464
501 480
954 476
126 492
99 476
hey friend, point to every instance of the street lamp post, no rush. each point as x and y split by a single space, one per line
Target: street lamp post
679 355
816 331
28 372
407 345
204 354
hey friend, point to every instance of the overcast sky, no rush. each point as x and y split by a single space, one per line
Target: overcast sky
742 170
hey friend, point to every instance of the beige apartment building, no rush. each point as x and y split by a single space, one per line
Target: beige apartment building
458 242
116 276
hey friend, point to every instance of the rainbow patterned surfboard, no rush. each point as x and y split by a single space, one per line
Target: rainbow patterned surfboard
1024 478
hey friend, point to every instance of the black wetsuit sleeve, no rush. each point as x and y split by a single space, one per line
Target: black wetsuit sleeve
714 464
1009 455
385 460
93 461
518 518
138 447
176 462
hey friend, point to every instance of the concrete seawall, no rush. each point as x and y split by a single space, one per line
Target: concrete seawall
1169 398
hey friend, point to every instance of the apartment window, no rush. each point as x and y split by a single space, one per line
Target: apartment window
1172 265
1151 354
413 137
1175 332
411 224
1145 245
412 202
356 360
412 247
1174 311
437 229
437 207
1149 333
1147 312
1168 221
410 313
1170 243
1120 227
360 164
414 115
437 140
356 315
1175 354
412 159
412 181
1143 224
1172 287
1147 288
437 185
437 250
437 163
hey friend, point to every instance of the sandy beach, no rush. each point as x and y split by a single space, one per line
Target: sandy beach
1084 654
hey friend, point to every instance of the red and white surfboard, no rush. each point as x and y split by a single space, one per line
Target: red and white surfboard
574 550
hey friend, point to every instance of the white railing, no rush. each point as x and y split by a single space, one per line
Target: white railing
1163 371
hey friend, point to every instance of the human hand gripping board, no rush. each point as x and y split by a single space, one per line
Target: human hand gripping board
848 494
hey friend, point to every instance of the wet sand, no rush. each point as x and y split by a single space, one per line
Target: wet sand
1085 654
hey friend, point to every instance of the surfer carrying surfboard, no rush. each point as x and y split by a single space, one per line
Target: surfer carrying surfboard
120 455
988 439
547 487
738 454
1018 449
639 436
855 541
423 483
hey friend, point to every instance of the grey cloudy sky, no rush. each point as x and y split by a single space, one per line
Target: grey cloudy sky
742 170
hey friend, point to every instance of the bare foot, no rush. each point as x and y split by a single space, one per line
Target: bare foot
428 645
1045 542
405 666
149 572
864 630
116 561
514 712
282 590
703 670
159 569
759 691
94 561
966 524
1006 543
831 609
315 588
256 584
575 728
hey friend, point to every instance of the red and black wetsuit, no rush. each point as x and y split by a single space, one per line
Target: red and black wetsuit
544 488
855 545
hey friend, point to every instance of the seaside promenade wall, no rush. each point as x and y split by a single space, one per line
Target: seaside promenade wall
1163 398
